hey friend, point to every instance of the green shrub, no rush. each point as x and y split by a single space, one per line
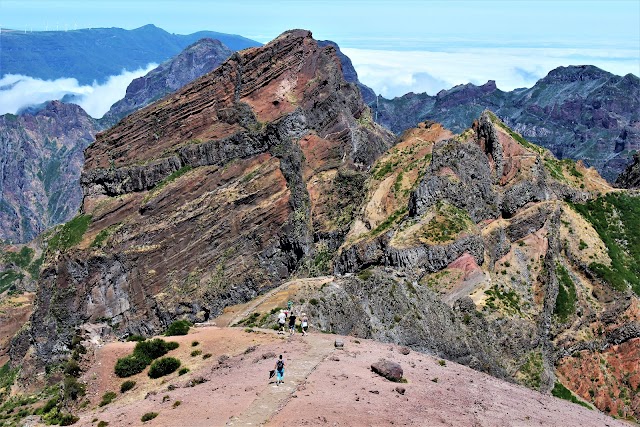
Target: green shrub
73 389
152 349
564 393
130 365
566 299
206 356
177 403
163 366
148 416
183 371
72 368
22 258
179 327
102 424
135 338
195 353
194 343
107 398
172 345
127 385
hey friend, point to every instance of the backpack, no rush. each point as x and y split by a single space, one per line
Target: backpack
280 365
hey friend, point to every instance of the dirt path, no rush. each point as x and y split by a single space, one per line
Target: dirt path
274 397
277 297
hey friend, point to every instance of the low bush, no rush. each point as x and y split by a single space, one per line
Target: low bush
107 398
163 366
195 353
72 368
103 424
179 327
148 416
152 349
183 371
73 389
195 343
130 365
127 385
135 338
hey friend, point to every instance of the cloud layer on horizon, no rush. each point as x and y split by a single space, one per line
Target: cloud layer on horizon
394 73
18 92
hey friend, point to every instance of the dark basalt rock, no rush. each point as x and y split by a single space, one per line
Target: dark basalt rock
388 369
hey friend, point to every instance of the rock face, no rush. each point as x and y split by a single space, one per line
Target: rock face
467 247
630 177
578 112
196 60
211 195
350 74
41 155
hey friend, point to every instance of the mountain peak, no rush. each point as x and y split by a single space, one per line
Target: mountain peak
574 73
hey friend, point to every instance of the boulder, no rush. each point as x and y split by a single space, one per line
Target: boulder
388 369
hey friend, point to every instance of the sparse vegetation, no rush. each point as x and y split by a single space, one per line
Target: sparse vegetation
195 353
531 371
508 299
176 403
70 234
389 221
448 222
183 371
616 218
195 343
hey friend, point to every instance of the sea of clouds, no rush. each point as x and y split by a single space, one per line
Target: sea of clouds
18 92
393 73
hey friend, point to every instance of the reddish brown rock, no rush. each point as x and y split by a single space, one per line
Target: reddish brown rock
388 369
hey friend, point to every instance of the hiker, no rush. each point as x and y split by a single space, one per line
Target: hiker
304 324
279 371
281 321
292 324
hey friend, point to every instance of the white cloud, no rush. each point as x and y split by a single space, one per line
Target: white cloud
18 92
394 73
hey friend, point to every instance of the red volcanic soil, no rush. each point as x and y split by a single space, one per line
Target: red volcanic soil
323 386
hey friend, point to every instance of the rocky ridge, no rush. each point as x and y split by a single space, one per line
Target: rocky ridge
578 112
467 247
41 156
209 196
630 177
196 60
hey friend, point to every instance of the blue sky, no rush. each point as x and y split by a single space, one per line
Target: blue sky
396 46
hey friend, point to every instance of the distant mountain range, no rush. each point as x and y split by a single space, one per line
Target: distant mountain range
578 112
97 53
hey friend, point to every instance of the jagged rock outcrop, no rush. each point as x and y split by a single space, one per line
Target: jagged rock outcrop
350 74
211 195
41 155
630 177
196 60
578 112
